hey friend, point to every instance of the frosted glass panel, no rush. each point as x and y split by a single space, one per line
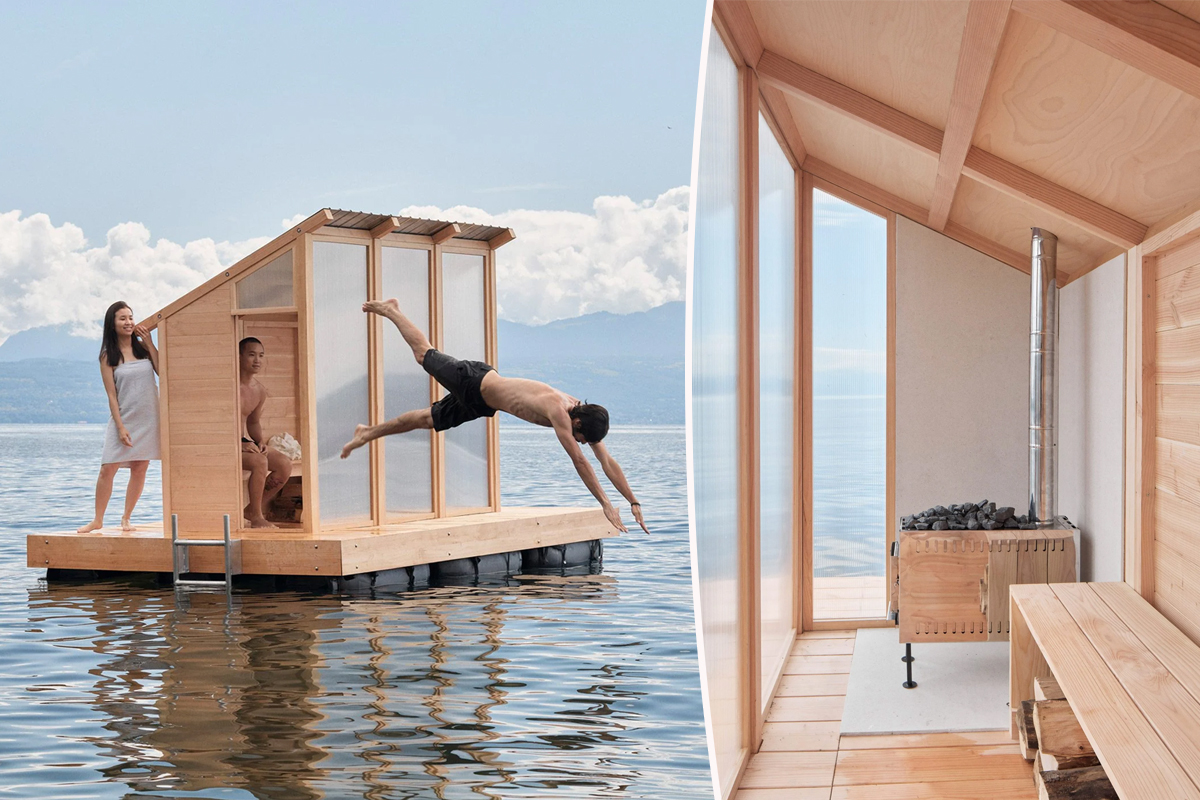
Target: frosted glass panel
269 286
464 338
714 403
340 335
405 383
849 409
777 391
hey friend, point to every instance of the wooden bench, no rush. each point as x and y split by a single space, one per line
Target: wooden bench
1131 677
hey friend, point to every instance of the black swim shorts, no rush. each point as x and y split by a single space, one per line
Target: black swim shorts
462 380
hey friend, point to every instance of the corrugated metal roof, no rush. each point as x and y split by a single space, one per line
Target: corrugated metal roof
363 221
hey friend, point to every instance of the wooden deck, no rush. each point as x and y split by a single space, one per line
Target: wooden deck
804 757
334 552
850 598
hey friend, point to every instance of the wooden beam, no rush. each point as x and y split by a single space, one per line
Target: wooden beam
447 233
777 112
316 221
1140 406
739 23
889 201
502 238
1173 228
976 60
775 70
384 228
1052 198
788 76
1150 37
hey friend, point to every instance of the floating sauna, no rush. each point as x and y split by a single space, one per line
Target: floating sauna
402 501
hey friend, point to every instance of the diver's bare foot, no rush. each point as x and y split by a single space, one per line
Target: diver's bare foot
384 308
260 522
91 526
359 439
126 525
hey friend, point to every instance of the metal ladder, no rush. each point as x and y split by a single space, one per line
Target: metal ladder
180 561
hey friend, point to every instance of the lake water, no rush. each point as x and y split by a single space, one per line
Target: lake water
581 686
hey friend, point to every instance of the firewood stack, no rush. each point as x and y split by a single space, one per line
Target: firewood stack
1065 766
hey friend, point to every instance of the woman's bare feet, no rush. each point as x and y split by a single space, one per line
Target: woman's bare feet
261 522
384 308
360 434
94 525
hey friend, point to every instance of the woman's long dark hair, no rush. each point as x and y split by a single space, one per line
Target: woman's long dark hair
110 349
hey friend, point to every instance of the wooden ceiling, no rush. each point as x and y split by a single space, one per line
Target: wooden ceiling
983 118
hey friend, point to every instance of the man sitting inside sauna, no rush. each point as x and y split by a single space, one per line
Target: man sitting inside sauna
269 468
477 390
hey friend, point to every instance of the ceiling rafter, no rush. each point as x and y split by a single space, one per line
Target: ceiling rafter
981 39
739 24
1096 219
1145 35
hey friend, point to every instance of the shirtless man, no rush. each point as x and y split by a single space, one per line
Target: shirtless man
477 390
269 468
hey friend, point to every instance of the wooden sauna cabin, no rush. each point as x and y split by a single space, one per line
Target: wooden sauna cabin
402 501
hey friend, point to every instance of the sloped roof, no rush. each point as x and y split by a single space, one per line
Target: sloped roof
983 119
379 224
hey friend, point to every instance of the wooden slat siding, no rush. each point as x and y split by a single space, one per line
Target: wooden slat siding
280 375
1137 761
1173 464
205 478
164 423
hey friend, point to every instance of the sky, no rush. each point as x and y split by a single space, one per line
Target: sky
145 145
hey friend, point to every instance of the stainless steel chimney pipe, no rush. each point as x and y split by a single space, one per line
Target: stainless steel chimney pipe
1043 379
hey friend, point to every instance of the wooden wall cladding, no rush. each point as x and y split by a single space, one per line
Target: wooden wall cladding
201 466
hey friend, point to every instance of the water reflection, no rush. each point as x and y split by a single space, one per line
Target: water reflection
547 686
291 696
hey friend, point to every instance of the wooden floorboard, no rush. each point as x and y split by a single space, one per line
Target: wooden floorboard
804 757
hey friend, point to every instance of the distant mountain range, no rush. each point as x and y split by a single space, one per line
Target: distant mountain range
631 363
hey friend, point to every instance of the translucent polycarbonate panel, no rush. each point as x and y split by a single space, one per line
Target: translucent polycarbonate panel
340 336
776 397
714 405
407 465
465 337
849 300
269 286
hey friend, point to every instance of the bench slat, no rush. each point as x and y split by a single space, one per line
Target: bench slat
1163 700
1171 646
1138 763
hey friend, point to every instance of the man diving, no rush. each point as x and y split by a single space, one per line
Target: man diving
477 390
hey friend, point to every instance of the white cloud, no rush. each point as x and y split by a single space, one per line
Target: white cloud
625 256
49 274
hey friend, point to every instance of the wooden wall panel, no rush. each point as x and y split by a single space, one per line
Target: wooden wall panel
280 374
1175 523
202 468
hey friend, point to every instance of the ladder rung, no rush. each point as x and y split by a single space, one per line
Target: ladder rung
200 542
189 582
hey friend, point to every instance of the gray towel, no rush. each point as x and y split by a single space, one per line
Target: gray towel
137 397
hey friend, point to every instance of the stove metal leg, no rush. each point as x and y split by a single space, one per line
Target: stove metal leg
908 659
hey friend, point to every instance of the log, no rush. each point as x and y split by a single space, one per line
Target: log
1047 689
1061 743
1087 783
1027 732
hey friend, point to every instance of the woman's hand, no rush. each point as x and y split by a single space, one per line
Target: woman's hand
636 509
124 436
254 447
614 518
143 333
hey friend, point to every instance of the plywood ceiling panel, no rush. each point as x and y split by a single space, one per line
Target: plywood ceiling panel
1091 124
1189 8
1007 221
901 54
865 153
